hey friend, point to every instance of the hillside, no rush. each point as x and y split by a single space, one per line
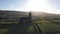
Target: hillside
35 15
43 15
10 14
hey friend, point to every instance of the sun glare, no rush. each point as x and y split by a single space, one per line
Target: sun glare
39 5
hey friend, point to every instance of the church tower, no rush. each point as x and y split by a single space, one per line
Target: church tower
30 17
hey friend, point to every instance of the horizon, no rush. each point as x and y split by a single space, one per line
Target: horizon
29 11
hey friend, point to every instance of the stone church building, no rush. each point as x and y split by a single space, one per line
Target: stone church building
26 19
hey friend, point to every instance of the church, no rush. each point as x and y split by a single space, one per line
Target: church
26 19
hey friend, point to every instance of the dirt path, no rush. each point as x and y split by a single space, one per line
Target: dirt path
37 28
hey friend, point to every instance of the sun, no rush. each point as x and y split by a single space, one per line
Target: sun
39 5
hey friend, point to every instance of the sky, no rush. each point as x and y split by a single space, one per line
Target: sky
49 6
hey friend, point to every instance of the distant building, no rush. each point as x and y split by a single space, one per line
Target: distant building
26 19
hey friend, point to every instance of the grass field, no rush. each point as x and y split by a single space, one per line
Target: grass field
51 26
12 28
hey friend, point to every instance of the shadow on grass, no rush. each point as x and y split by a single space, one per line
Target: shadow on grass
16 28
21 28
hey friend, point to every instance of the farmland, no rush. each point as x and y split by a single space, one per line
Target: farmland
39 24
47 27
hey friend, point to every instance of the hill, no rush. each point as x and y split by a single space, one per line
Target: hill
35 15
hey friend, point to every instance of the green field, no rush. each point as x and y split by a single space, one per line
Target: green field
51 26
15 28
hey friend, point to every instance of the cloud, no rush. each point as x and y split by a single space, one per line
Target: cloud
11 6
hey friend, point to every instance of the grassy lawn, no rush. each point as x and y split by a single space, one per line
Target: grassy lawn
49 26
30 30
